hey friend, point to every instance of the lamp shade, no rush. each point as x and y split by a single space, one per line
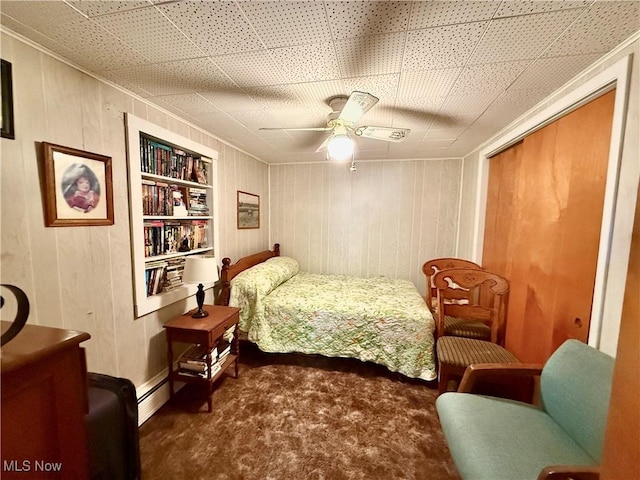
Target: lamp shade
200 269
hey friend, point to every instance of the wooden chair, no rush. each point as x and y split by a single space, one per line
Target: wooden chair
472 306
471 303
432 267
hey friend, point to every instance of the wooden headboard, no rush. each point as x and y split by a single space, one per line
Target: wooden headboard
229 271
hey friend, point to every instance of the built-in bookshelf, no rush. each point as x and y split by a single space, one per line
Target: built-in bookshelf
173 202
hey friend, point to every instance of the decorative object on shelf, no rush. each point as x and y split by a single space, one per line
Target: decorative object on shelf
200 269
78 187
248 210
22 313
6 120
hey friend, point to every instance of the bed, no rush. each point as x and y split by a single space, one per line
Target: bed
283 309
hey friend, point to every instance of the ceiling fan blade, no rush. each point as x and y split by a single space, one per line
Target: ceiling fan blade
306 129
357 105
383 133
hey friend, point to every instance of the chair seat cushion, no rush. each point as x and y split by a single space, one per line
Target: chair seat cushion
462 352
492 438
460 327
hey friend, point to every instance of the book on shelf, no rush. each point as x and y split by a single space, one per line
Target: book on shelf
224 348
198 352
173 273
228 333
154 276
157 198
198 201
160 159
215 368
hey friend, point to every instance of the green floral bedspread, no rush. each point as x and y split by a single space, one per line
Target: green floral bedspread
380 320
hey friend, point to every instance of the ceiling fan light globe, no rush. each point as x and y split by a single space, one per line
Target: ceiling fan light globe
340 147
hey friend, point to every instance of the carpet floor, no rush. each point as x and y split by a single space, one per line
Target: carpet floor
299 417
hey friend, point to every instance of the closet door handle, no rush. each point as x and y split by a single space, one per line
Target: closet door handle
578 322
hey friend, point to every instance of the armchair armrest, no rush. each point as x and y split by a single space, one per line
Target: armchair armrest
494 371
569 472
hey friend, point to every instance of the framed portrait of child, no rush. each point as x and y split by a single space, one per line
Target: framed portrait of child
78 187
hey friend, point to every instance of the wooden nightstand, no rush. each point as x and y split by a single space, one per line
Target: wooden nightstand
207 333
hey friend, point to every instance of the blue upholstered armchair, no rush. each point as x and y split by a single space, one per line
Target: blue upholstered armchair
493 438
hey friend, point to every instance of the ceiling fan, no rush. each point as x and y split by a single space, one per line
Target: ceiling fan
346 111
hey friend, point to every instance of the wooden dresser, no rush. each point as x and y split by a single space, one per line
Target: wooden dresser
44 400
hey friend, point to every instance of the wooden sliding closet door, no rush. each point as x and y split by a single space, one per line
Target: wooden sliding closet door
544 214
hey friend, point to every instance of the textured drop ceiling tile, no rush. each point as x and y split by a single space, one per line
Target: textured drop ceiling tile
441 13
231 101
222 125
191 103
272 136
299 117
279 96
307 63
450 133
563 68
383 86
218 28
489 77
521 38
160 102
457 150
427 104
442 120
249 69
34 35
94 8
414 119
254 119
442 47
430 144
511 105
402 150
467 104
93 47
427 83
41 15
114 77
184 76
372 55
316 94
355 19
524 7
280 24
142 29
377 117
603 26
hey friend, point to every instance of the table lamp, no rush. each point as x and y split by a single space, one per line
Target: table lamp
200 269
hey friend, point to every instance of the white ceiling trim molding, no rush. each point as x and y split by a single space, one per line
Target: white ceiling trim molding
618 216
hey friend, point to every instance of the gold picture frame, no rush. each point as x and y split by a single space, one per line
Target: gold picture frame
248 210
78 187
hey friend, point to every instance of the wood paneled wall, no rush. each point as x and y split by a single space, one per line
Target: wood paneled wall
80 277
387 218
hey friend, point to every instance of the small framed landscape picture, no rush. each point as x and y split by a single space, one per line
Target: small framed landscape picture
248 210
78 187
